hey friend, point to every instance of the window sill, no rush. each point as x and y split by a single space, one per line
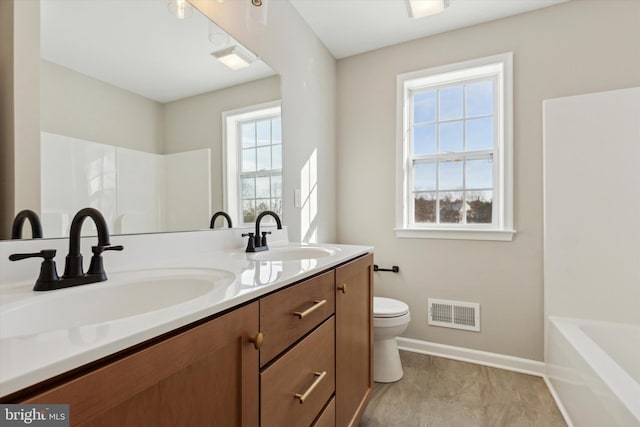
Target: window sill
454 234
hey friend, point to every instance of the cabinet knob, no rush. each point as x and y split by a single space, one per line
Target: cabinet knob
257 340
343 288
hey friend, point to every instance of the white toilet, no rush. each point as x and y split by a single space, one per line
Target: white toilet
390 319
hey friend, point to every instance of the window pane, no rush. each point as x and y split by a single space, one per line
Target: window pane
480 99
248 132
276 186
248 188
264 158
424 107
261 206
276 156
248 211
450 175
451 139
249 160
424 176
276 206
425 207
451 207
480 134
479 173
479 207
424 140
276 131
263 187
263 132
451 103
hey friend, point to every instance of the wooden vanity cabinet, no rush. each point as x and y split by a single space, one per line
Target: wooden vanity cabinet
206 376
354 339
316 337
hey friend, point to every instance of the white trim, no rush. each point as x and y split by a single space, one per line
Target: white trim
455 234
503 176
494 360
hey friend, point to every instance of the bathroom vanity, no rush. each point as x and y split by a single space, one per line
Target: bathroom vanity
297 352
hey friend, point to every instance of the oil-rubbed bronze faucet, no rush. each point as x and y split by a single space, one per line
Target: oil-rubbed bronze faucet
18 222
258 242
73 272
216 215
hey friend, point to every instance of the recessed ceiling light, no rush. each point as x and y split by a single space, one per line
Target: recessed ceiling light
422 8
233 58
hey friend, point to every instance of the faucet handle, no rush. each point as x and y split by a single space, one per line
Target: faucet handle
264 238
47 254
251 246
48 270
97 250
96 266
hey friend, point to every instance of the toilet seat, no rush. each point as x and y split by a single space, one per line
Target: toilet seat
389 307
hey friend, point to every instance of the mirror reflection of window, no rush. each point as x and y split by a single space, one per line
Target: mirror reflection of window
254 161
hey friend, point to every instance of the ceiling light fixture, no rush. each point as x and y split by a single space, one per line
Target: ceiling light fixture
234 58
422 8
181 9
256 3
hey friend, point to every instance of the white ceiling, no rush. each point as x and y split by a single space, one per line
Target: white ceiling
138 46
349 27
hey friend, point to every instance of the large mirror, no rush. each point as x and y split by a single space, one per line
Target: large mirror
132 97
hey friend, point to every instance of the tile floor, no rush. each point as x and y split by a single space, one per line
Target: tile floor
438 392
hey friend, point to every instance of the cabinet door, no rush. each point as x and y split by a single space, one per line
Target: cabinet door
206 376
354 340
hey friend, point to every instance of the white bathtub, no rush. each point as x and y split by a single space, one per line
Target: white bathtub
594 369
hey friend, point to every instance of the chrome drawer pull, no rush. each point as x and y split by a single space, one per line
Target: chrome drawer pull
317 304
302 397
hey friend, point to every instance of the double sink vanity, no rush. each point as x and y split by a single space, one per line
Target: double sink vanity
189 329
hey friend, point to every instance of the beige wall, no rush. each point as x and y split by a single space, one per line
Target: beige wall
6 119
196 122
576 47
80 106
283 40
20 134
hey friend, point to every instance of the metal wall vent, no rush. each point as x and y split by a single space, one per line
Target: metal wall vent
454 314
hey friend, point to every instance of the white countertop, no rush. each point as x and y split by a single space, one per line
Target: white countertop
26 359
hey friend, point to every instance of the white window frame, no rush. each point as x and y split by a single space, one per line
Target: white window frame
231 155
500 66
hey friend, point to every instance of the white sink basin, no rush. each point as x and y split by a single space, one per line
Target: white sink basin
123 295
289 253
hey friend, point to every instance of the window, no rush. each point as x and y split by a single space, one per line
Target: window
455 151
253 162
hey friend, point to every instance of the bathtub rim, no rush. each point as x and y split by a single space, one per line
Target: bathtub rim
618 380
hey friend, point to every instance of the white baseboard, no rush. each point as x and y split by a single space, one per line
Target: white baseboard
495 360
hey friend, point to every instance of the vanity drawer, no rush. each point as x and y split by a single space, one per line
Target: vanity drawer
306 370
328 416
288 315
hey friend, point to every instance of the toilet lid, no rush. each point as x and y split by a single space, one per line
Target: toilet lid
389 307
